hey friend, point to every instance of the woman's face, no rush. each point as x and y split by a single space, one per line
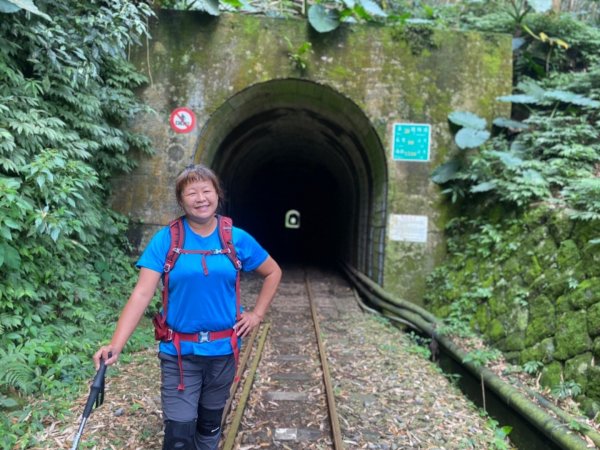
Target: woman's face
199 201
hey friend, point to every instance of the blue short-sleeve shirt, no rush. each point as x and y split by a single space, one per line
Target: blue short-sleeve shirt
199 301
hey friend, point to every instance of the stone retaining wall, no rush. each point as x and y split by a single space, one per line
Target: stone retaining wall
538 296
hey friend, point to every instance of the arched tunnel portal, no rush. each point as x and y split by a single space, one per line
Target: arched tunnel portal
297 145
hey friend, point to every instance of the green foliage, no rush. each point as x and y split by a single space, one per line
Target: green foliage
533 367
543 42
65 96
420 345
552 158
298 56
501 434
326 17
13 6
208 6
323 19
481 357
566 389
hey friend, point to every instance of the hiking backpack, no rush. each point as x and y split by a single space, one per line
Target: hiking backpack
162 332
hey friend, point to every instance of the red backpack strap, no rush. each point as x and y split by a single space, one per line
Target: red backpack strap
226 236
177 234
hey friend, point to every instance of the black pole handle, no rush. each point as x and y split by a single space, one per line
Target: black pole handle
96 397
96 390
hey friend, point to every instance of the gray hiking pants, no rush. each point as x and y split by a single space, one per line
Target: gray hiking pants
193 416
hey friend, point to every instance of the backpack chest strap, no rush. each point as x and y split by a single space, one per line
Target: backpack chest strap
204 253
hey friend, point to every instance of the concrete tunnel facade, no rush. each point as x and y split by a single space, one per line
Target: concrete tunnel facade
315 144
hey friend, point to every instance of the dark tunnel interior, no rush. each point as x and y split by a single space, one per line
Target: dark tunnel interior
261 205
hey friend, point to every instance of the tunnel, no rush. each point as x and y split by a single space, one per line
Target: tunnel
304 171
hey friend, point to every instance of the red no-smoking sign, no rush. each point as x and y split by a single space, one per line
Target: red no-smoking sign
182 120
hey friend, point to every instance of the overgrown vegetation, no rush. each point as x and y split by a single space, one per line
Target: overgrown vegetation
509 178
65 94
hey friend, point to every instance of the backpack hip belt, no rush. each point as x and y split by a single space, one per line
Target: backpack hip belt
201 337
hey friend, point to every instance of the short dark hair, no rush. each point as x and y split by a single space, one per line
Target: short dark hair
197 172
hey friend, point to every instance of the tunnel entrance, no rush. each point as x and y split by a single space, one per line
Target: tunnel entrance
310 194
295 145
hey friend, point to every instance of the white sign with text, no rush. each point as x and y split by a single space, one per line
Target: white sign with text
408 228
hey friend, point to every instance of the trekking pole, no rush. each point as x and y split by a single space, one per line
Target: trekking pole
96 397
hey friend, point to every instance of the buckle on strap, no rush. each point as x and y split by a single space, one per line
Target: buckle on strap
204 336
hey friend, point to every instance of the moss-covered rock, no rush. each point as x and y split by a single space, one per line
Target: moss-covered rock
551 283
543 246
541 307
518 318
563 304
590 254
533 269
596 348
495 331
481 318
593 387
499 305
586 294
593 319
544 307
567 255
559 225
571 335
511 357
551 374
542 351
590 408
512 343
512 266
577 369
539 329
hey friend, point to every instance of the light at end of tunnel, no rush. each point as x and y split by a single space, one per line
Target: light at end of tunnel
292 219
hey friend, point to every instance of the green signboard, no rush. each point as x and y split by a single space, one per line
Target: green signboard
411 141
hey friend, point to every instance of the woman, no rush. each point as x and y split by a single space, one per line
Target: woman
196 376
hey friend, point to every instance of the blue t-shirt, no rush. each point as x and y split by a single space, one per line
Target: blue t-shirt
199 301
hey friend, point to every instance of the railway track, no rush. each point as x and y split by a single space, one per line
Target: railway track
287 400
